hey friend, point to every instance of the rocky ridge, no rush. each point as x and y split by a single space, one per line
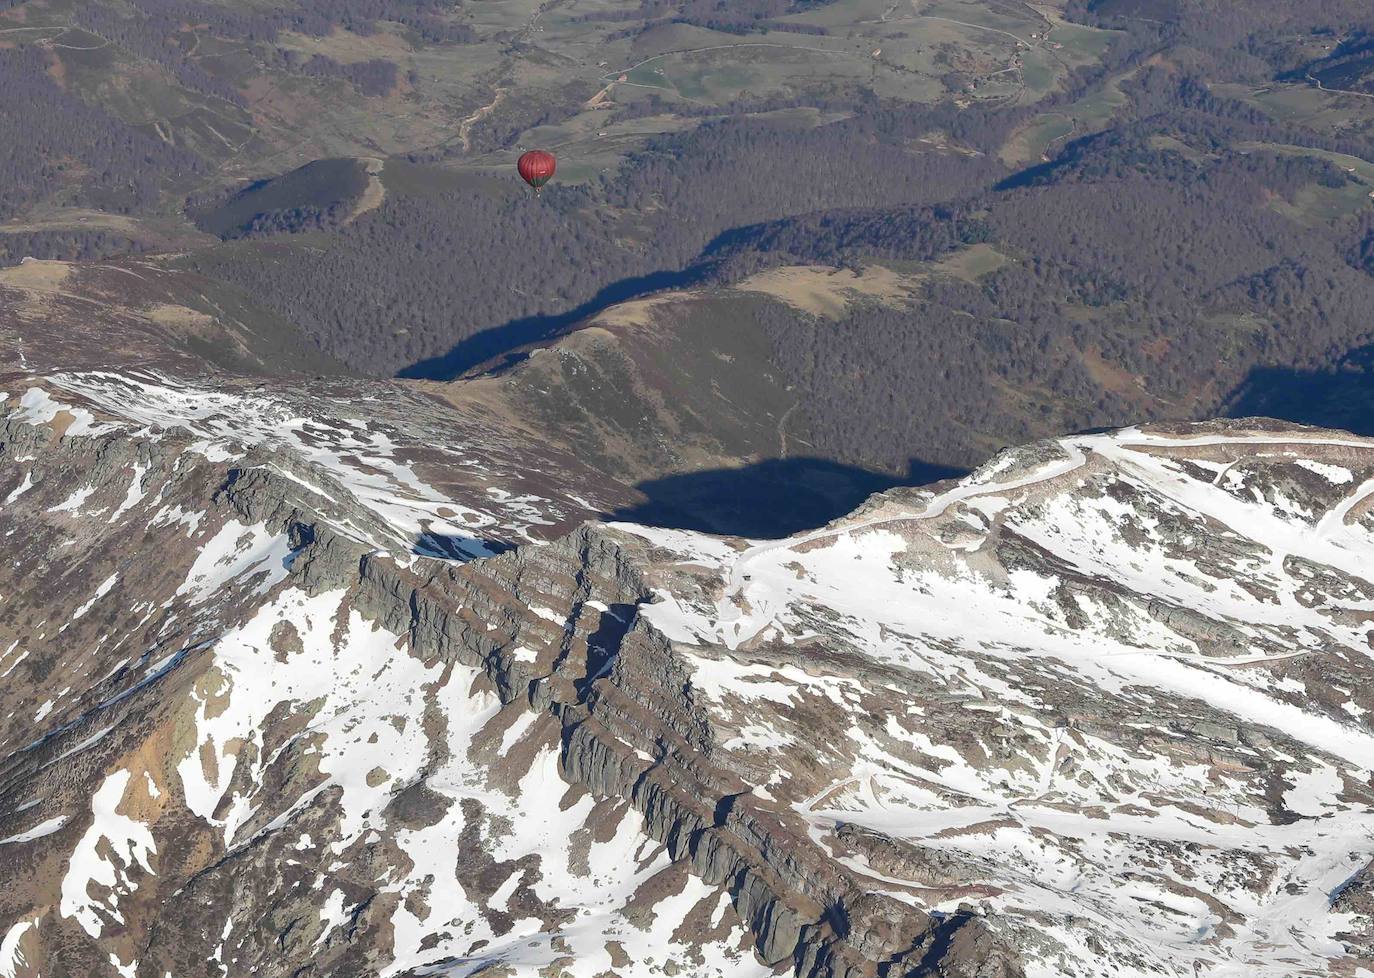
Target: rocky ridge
312 703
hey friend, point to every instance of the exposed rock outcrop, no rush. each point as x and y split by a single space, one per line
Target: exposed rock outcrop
279 703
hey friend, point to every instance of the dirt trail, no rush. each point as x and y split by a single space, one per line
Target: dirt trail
375 191
465 127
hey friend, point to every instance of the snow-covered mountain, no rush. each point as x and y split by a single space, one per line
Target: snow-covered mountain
301 681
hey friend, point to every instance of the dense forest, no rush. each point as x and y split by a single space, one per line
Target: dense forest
415 283
1143 282
51 141
1153 265
1150 269
428 270
66 245
1080 331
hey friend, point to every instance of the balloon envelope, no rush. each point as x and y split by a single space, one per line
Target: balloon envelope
537 167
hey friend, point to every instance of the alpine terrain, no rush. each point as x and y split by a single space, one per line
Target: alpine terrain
686 489
327 678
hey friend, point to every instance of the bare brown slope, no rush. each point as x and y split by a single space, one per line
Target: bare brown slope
679 396
74 316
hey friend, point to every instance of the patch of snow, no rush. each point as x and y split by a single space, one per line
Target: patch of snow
47 827
75 501
134 494
237 551
1334 474
100 592
12 958
20 489
129 843
333 914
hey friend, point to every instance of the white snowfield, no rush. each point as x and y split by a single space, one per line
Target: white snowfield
1114 691
1110 829
300 729
382 720
362 458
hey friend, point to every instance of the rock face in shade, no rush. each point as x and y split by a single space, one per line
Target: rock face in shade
320 686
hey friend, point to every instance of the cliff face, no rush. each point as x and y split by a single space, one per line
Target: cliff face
320 689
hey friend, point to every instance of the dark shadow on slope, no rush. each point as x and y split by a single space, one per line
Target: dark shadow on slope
1030 176
769 499
447 546
507 340
1339 398
603 645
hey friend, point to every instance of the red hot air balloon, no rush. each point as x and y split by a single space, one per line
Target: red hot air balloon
537 168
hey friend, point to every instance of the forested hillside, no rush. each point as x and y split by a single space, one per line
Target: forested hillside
445 259
1148 270
1143 208
53 143
837 526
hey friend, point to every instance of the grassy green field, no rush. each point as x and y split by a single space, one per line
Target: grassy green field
1328 204
1031 143
1306 105
1040 72
1037 138
972 263
1316 204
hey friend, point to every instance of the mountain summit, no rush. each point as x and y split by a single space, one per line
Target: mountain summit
360 691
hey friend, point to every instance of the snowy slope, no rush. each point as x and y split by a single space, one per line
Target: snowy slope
441 488
1114 690
212 755
270 702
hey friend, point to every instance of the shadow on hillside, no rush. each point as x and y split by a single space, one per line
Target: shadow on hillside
769 499
506 341
447 546
1339 398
